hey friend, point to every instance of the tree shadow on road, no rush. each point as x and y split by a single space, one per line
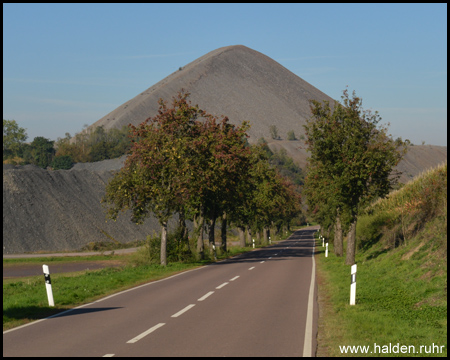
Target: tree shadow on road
17 313
284 250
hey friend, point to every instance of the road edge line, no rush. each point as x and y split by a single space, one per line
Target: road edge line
307 346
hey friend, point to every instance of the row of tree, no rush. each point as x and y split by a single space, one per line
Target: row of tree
351 163
87 146
290 134
189 162
39 152
94 144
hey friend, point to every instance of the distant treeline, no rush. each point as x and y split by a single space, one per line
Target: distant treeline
87 146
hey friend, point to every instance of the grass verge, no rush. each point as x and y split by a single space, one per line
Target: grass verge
401 298
401 286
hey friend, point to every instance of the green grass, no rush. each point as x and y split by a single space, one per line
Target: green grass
401 287
397 301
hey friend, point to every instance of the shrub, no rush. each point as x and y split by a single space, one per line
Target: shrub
274 132
369 228
63 162
178 249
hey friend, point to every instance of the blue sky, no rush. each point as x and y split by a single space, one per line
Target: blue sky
66 65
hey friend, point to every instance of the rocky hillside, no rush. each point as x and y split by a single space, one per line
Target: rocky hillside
234 81
60 210
420 158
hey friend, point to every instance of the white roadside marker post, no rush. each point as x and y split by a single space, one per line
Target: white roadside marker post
214 249
270 241
353 285
48 285
326 250
323 241
253 243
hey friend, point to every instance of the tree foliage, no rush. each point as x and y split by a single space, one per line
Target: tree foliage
62 162
42 151
291 135
13 138
94 144
274 132
187 161
286 167
351 163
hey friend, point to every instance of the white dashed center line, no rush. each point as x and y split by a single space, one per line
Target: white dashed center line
221 286
145 333
183 311
206 295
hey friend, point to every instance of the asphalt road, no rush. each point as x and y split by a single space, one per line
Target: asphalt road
262 303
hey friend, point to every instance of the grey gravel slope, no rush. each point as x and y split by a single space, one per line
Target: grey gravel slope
60 210
234 81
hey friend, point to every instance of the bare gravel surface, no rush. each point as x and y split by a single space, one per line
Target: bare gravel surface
60 210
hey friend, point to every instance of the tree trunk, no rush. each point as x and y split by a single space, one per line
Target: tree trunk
224 232
199 228
211 235
338 241
249 236
266 234
185 231
164 244
241 236
351 244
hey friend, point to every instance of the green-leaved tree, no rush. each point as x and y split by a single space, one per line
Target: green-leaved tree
42 151
13 138
180 164
351 163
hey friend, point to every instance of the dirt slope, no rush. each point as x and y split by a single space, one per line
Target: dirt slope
60 210
235 81
420 158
